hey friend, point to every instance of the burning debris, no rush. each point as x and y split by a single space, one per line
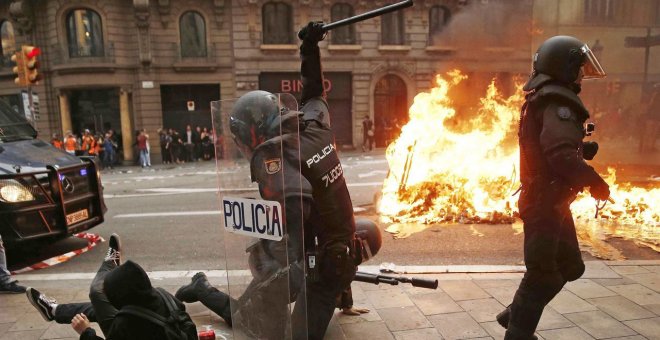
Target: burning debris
468 174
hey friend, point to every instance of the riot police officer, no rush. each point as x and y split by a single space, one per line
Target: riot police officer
552 171
293 159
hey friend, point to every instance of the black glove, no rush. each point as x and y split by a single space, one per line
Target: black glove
589 150
312 33
600 190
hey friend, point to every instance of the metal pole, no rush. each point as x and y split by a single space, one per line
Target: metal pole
31 107
368 15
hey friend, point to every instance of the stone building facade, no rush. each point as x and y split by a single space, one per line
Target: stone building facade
130 64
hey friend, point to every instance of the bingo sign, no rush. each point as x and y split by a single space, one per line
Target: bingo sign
253 218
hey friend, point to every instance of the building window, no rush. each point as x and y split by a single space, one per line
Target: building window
84 33
599 11
438 18
193 35
277 23
343 35
7 42
392 29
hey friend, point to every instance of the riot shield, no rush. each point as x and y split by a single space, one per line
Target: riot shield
261 205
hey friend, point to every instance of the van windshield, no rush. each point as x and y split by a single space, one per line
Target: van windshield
13 126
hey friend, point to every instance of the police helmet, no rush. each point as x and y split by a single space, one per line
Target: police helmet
251 117
368 235
561 58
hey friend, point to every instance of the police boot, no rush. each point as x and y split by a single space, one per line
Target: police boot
195 290
513 333
503 317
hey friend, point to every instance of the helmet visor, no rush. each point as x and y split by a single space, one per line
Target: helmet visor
591 66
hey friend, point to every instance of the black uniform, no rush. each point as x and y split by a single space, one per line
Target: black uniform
552 171
300 168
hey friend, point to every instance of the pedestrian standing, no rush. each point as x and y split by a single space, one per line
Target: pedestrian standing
57 142
108 151
367 134
70 143
552 171
142 140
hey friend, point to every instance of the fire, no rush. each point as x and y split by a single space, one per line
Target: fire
441 172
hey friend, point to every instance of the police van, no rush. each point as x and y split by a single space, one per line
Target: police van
45 193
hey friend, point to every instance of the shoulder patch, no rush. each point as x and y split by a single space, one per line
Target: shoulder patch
564 113
273 165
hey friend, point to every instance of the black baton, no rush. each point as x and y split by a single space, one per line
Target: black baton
368 15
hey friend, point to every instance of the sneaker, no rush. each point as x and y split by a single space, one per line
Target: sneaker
114 250
12 288
44 304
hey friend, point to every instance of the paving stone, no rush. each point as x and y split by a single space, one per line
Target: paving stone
621 308
598 270
334 332
655 308
655 269
482 310
634 263
11 313
634 337
418 334
494 329
567 302
515 277
366 330
614 282
599 325
457 326
649 328
436 303
29 321
388 298
587 289
463 290
502 294
497 283
4 327
627 270
57 331
573 333
23 335
373 315
403 318
637 294
550 319
648 280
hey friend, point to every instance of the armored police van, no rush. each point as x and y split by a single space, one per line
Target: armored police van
45 193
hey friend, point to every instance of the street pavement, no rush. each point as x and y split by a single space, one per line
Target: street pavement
613 300
168 217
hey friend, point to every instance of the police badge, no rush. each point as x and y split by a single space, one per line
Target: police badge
273 166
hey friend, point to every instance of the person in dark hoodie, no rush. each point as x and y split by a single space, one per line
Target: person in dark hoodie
115 286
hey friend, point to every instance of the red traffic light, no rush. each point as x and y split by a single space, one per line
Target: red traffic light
33 52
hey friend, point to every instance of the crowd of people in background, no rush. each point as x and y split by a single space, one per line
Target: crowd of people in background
189 145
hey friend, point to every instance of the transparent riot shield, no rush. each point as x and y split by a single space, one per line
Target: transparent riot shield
261 204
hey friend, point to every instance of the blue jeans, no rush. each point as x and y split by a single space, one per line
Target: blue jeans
144 158
5 277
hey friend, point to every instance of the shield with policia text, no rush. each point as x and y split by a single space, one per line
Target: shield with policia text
261 193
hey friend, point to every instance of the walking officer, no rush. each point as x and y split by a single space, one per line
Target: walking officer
552 171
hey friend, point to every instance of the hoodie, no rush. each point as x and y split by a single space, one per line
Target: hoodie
129 284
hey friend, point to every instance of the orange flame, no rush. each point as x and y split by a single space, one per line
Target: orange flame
438 174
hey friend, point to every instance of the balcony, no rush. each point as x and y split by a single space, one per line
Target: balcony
63 63
196 64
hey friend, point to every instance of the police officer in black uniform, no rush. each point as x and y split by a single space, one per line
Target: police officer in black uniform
552 171
293 159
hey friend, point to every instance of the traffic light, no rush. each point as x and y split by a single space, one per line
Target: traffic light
30 54
19 69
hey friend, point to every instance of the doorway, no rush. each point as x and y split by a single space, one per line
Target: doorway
390 109
95 110
188 105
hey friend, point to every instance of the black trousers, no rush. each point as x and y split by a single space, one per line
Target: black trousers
552 258
66 311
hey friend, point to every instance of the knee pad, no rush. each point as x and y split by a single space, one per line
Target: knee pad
573 271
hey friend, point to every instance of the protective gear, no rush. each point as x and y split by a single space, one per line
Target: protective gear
198 287
560 58
589 150
600 190
251 117
369 239
312 33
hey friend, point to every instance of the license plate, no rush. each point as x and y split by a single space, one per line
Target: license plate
77 216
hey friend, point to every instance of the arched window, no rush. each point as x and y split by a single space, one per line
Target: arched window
84 33
8 42
392 29
277 21
193 35
343 35
438 18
